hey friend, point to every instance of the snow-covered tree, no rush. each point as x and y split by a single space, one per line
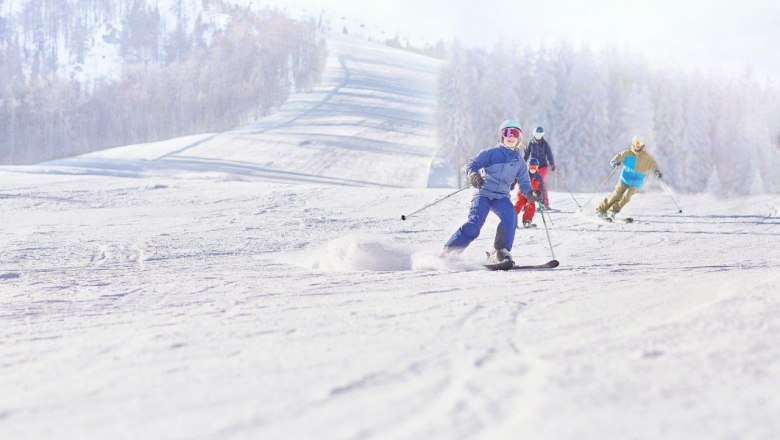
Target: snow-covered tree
757 161
592 104
583 119
457 84
669 123
170 78
714 184
696 140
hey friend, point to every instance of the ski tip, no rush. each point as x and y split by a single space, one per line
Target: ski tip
552 264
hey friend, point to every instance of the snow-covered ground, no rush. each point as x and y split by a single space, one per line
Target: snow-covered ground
260 284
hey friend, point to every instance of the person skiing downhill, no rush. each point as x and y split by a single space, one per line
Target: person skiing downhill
636 164
537 184
492 172
540 150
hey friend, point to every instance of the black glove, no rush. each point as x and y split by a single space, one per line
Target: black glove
552 167
533 196
476 180
658 174
614 163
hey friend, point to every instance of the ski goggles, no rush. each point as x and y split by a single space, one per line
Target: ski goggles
533 168
513 132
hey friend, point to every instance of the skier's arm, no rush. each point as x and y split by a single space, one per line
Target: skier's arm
654 167
476 163
548 152
524 180
481 160
526 152
618 159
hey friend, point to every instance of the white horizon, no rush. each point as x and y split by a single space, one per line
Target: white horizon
698 34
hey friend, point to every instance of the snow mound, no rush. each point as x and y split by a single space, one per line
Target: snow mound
360 253
370 253
428 261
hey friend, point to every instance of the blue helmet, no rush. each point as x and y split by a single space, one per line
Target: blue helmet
533 162
539 132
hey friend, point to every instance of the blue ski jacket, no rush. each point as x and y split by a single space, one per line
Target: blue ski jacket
636 166
501 166
540 150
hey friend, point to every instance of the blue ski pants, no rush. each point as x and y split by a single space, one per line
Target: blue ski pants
480 206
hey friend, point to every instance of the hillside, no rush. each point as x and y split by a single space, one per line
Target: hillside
373 107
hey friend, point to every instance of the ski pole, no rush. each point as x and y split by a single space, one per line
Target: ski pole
679 210
541 211
557 176
404 217
597 189
548 214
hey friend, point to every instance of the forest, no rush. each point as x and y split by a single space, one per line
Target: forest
711 132
81 75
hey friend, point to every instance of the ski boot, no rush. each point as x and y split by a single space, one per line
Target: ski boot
500 256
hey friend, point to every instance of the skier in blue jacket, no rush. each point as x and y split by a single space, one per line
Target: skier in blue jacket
492 172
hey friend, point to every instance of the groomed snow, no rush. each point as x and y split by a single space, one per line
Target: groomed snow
260 284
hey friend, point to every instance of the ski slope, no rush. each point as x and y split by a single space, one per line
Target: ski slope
259 284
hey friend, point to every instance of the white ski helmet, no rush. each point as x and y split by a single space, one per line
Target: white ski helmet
539 133
638 142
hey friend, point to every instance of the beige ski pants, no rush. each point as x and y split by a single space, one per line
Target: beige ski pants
617 199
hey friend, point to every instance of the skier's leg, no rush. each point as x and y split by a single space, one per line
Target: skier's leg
505 233
543 174
521 201
530 210
480 206
612 198
624 198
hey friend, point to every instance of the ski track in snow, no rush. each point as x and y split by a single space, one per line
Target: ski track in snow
210 287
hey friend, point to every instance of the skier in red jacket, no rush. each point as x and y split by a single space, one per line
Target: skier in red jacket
537 184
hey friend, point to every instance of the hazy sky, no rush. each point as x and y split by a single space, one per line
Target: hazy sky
727 34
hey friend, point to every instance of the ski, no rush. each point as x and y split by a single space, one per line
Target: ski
552 264
618 220
529 226
511 266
